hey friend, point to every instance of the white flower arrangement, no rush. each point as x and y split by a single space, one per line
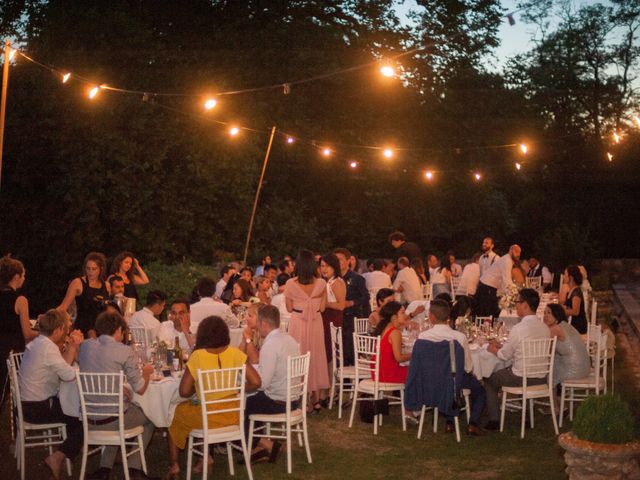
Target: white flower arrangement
508 300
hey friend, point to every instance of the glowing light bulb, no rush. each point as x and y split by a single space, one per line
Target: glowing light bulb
12 53
477 176
353 164
636 118
66 77
233 131
290 140
93 92
518 166
524 149
387 71
609 157
388 153
616 137
429 175
210 103
326 152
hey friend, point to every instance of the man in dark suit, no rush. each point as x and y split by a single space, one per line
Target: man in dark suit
356 305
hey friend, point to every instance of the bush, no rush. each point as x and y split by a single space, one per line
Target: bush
177 280
604 419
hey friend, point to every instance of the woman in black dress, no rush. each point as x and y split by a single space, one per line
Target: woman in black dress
90 292
127 266
14 312
574 304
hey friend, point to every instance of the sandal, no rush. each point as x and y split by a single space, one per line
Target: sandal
173 473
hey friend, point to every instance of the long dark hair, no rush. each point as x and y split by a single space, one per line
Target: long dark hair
445 263
331 260
246 288
389 310
117 262
100 260
306 267
557 312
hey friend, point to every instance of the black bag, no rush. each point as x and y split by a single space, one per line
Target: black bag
369 408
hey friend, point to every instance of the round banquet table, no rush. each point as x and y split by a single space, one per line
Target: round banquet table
484 362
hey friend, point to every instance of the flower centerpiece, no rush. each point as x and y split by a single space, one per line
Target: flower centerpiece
508 300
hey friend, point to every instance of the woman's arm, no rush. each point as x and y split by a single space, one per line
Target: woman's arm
139 277
323 301
289 304
556 331
575 307
22 309
253 379
74 289
187 384
396 344
340 291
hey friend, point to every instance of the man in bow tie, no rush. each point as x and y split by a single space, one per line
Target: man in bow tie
488 255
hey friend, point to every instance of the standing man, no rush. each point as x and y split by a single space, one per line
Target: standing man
271 397
107 354
488 256
402 248
439 312
407 283
42 369
470 277
529 327
356 304
496 279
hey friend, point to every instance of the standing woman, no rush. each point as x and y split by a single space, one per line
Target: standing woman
336 297
128 267
306 297
441 277
418 266
574 303
14 312
90 292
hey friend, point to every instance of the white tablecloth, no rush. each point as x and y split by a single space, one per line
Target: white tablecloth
484 362
508 318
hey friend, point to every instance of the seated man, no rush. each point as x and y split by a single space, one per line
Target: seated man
147 317
117 286
178 325
439 313
208 306
270 399
407 283
43 368
529 327
225 274
107 354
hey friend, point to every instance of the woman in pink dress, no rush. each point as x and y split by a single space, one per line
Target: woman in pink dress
305 297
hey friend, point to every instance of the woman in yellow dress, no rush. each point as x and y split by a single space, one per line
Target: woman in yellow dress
212 351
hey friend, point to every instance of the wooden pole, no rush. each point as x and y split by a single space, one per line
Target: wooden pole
255 201
3 100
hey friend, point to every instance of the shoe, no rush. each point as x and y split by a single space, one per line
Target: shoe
409 417
275 451
492 425
475 431
449 428
103 473
324 403
260 456
135 474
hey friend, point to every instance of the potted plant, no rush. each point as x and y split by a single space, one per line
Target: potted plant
603 442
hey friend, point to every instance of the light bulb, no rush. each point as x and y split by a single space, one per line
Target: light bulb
477 176
524 149
290 140
388 153
616 137
387 71
210 103
518 166
429 175
609 157
326 152
233 131
93 92
66 77
12 53
353 164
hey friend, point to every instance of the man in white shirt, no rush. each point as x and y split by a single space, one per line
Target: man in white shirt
407 283
456 269
488 255
496 280
225 274
376 278
439 312
529 327
432 263
272 396
271 272
178 325
208 306
147 318
279 301
470 277
42 369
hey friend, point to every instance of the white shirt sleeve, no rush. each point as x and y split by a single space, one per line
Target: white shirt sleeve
57 363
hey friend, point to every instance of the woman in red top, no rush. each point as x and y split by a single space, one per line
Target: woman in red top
392 321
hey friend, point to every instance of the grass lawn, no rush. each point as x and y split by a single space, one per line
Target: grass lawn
357 454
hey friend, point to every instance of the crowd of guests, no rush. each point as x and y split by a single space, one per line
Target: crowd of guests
307 295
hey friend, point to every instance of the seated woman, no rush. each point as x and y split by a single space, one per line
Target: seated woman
251 340
392 321
263 290
384 296
242 293
572 358
574 302
212 351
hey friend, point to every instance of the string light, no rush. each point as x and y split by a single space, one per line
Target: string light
290 140
429 175
210 103
387 71
518 166
93 92
326 152
609 157
233 131
353 164
616 137
477 176
388 153
66 77
524 149
12 53
637 120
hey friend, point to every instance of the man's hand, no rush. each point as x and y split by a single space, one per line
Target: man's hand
494 347
76 338
147 370
185 324
418 310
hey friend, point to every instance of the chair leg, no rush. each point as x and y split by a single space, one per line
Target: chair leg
189 455
353 406
288 435
143 459
125 461
332 391
502 410
49 440
467 406
613 366
523 416
435 420
300 440
402 410
553 416
306 440
340 393
531 412
423 412
571 399
229 459
457 424
247 458
83 464
561 411
205 460
252 425
23 467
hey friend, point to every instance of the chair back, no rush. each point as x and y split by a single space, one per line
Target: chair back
221 391
533 282
538 358
297 381
360 325
479 321
373 292
455 285
284 325
597 346
336 347
367 356
141 335
14 360
101 397
427 291
594 312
